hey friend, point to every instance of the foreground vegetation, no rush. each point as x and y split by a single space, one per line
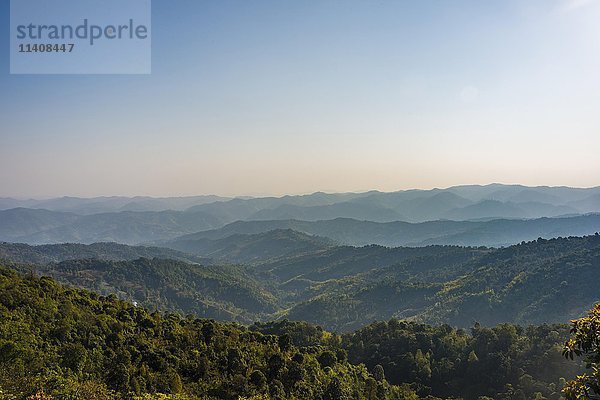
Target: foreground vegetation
73 344
502 362
585 341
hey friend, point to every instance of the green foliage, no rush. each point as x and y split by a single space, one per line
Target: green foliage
221 292
62 343
344 288
254 248
500 362
43 254
71 344
544 281
585 342
532 283
300 333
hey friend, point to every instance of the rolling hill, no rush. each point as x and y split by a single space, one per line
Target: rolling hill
497 232
129 227
345 287
77 344
44 254
142 219
98 205
249 249
542 281
81 345
221 292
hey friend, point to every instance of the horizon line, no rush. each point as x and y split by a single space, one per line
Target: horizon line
282 195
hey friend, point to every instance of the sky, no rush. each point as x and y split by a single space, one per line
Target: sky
287 97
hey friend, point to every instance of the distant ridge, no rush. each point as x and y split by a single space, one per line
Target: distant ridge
143 219
251 248
43 254
414 205
493 233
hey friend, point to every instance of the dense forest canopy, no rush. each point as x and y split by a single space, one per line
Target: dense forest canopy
341 288
76 344
60 342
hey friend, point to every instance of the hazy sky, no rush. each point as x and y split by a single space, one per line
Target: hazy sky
271 97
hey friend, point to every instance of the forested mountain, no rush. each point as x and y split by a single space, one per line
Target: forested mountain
494 233
524 284
344 288
534 282
98 205
411 205
261 247
22 222
77 345
221 292
128 227
59 342
143 219
43 254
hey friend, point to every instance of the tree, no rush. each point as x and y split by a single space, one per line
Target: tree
378 373
74 356
275 364
327 359
585 341
473 357
285 342
258 379
277 390
422 365
334 390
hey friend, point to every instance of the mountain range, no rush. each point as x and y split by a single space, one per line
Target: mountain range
492 254
495 232
453 213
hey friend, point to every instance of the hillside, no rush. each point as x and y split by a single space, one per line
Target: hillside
43 254
128 227
343 288
78 345
22 222
494 233
526 283
504 362
221 292
98 205
68 343
261 247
